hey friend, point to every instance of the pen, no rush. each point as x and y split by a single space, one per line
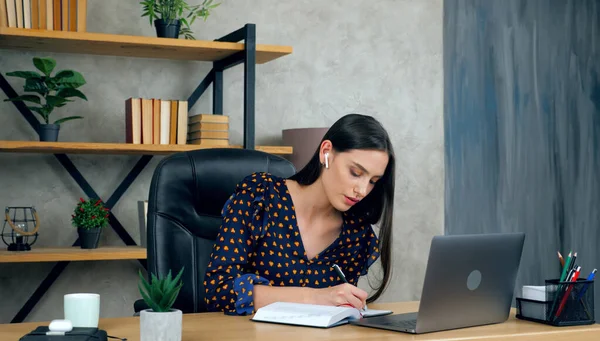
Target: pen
562 289
569 275
580 297
566 295
563 275
573 261
592 275
589 278
341 274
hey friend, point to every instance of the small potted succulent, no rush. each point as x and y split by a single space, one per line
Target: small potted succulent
89 217
49 92
173 18
160 322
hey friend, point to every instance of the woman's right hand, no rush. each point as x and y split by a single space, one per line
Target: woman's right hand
341 294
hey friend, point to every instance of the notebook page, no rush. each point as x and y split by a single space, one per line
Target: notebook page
303 314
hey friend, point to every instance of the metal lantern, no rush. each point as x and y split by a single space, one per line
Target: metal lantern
20 229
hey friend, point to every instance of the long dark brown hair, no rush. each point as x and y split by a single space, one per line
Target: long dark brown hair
355 131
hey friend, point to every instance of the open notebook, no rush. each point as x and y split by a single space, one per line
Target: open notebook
311 315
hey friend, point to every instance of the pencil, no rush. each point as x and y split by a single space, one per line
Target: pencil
561 259
567 267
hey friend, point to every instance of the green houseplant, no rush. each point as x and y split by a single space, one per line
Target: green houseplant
89 217
49 92
160 322
173 18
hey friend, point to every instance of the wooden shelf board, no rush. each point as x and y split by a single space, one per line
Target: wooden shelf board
117 148
130 46
57 254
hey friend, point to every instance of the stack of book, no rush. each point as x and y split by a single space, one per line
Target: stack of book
156 121
208 130
53 15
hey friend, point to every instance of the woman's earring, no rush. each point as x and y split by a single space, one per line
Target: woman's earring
326 160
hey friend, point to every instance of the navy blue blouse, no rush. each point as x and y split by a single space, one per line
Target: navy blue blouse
259 243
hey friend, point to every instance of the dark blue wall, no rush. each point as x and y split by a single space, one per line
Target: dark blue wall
522 126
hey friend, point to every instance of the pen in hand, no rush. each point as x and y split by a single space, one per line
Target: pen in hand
341 274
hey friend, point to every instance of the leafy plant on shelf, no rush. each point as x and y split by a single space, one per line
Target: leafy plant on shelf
177 11
50 92
160 293
90 214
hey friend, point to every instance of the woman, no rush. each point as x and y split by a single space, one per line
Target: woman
280 238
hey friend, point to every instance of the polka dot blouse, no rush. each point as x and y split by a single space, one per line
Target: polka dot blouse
259 243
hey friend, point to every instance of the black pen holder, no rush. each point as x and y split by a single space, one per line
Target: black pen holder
567 304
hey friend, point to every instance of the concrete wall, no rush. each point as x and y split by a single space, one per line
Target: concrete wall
522 125
381 58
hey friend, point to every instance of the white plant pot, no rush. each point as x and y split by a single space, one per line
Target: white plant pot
160 326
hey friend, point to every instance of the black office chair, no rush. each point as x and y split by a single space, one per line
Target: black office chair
187 192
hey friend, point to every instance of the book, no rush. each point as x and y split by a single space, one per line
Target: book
133 120
72 16
182 118
35 14
533 309
312 315
3 14
64 16
535 293
201 126
26 13
19 10
81 16
11 12
45 14
209 134
156 120
165 121
209 142
208 118
57 11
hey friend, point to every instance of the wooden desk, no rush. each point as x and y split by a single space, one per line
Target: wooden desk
217 326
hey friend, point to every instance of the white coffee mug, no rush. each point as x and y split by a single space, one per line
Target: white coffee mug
83 310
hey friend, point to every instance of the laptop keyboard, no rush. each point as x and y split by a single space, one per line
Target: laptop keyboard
408 324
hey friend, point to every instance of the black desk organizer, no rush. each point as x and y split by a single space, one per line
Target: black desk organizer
578 307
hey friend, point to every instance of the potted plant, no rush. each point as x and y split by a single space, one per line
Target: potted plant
160 322
168 16
49 92
90 216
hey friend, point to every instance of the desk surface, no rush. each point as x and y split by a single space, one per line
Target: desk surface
211 326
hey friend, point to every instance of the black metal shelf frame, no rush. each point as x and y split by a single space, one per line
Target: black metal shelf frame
214 77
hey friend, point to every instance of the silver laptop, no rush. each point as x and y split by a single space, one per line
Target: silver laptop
469 281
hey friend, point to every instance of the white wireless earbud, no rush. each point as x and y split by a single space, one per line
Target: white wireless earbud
59 327
326 160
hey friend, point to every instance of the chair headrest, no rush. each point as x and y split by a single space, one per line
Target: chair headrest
193 184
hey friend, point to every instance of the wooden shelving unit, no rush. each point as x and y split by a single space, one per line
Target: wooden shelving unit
115 148
224 53
130 46
34 40
74 253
